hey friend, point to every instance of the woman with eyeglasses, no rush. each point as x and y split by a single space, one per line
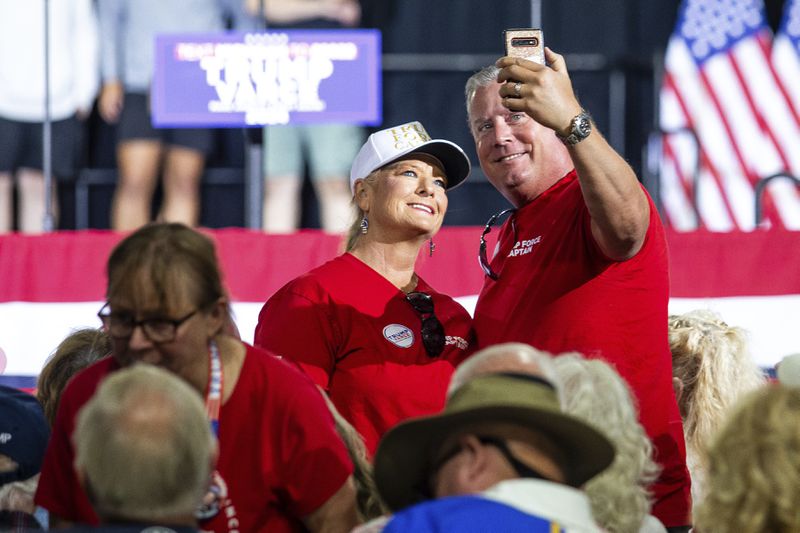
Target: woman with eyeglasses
281 465
364 326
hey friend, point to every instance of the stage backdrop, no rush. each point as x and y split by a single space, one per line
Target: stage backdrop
52 284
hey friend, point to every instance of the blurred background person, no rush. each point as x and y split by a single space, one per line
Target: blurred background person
787 370
74 78
167 307
711 367
77 351
364 326
127 30
753 482
327 149
23 439
594 392
144 450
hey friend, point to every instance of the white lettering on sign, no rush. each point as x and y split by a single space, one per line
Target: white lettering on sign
266 76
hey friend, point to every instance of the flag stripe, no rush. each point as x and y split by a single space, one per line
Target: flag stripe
772 59
769 212
705 160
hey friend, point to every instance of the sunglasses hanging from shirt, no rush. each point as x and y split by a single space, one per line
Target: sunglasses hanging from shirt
482 258
432 331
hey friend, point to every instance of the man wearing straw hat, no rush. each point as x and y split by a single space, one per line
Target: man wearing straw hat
502 456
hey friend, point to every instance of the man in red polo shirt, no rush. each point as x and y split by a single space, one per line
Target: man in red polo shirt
581 264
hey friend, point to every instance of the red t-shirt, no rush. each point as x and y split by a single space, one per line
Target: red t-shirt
558 292
280 457
358 338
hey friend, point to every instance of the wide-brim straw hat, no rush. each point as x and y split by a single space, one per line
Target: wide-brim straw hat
403 459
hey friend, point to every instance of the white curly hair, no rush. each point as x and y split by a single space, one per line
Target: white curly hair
594 392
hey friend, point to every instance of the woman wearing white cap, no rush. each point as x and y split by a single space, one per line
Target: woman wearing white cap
364 326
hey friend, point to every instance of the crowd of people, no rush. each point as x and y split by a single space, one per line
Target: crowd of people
102 51
372 402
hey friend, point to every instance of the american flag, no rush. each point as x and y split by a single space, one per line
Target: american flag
729 119
786 53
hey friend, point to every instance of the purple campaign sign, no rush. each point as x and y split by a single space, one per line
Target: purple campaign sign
282 77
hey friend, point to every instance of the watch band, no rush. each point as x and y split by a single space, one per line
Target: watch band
580 127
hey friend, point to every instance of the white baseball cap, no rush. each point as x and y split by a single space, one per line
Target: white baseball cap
386 146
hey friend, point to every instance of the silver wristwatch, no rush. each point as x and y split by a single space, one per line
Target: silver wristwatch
579 129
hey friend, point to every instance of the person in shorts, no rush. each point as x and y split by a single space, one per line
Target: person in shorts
73 70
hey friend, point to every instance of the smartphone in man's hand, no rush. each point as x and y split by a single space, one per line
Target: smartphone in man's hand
527 43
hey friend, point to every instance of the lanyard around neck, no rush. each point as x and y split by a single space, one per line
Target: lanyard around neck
214 387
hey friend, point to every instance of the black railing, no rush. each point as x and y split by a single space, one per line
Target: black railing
759 191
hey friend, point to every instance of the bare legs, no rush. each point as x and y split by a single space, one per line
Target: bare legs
30 201
282 204
334 204
139 163
183 169
6 205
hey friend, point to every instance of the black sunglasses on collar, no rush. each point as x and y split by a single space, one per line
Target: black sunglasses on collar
432 330
482 259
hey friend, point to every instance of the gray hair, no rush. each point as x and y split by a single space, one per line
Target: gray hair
508 357
145 446
483 78
594 392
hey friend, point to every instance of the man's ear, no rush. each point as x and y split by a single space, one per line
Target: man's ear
477 467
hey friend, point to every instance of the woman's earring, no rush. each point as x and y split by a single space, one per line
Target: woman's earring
431 247
364 225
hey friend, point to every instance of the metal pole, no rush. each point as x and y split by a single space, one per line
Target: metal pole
255 142
616 109
536 14
47 140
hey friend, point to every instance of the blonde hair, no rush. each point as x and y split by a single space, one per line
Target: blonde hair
754 467
145 445
78 350
712 361
368 500
594 392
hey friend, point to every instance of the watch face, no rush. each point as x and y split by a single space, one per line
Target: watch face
583 127
580 128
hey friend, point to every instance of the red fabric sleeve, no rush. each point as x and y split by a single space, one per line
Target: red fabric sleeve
314 463
298 328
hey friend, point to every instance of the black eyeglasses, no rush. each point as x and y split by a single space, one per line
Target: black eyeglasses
157 329
432 330
482 259
522 470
